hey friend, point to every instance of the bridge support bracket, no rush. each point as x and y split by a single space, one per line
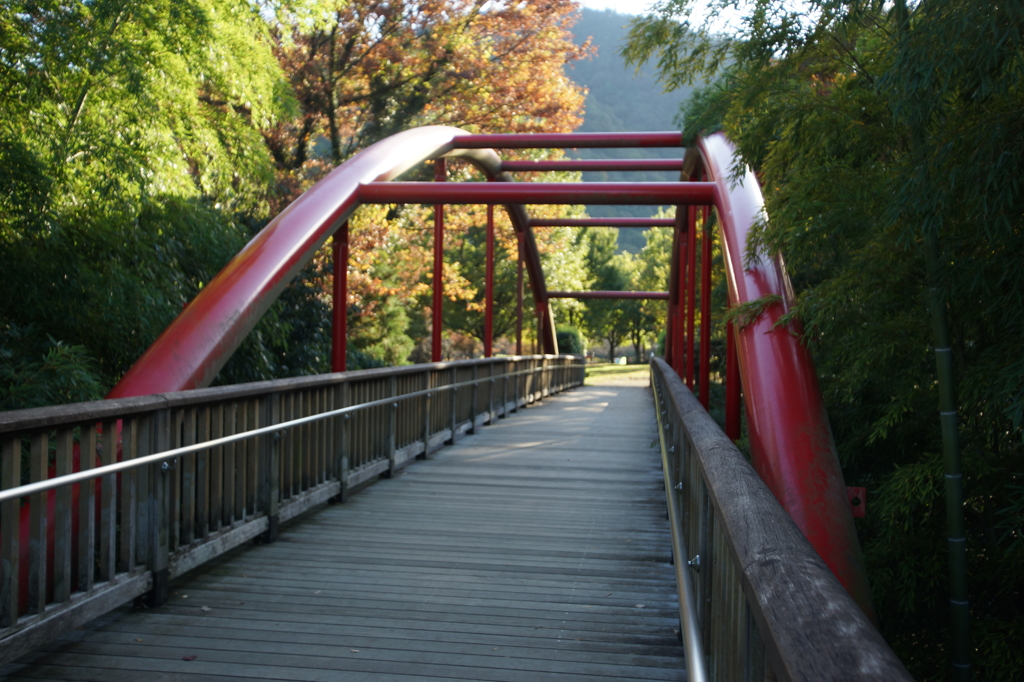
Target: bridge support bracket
270 535
157 596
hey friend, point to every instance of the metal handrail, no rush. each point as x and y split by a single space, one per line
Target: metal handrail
688 622
106 470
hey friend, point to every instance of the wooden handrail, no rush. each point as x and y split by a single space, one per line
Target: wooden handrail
767 600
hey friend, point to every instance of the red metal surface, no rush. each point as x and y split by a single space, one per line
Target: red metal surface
569 140
437 311
691 290
705 314
489 286
732 385
339 324
603 222
624 295
193 348
625 193
790 439
593 165
519 298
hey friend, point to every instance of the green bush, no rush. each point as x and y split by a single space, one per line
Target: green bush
570 340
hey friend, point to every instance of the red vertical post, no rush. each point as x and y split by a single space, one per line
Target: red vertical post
489 287
670 322
679 332
705 313
519 297
436 313
732 385
339 324
691 287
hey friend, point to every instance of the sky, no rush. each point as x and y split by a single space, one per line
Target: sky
620 6
726 23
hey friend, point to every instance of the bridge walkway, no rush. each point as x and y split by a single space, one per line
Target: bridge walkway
535 549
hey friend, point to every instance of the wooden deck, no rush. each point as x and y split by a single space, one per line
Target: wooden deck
536 549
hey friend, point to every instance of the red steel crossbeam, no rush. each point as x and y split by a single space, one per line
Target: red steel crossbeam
593 165
603 222
624 193
568 140
624 295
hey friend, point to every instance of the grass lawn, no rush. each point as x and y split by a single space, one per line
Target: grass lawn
606 371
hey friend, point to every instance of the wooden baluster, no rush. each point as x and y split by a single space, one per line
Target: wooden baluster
37 526
86 509
108 504
216 465
127 498
63 539
10 532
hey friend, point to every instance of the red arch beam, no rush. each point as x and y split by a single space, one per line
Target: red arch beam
790 438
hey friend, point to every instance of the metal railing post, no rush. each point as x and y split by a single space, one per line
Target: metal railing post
341 444
392 445
270 466
427 399
472 400
159 512
454 402
10 548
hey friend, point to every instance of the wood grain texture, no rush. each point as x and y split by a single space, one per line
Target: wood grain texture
534 549
811 627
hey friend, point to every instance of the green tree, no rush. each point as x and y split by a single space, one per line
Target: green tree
131 131
606 319
876 134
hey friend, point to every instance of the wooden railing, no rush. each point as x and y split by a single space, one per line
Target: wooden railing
191 475
756 600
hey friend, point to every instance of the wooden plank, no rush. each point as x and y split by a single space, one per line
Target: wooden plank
86 510
80 609
10 532
367 472
308 500
216 545
216 466
201 510
108 505
38 456
62 511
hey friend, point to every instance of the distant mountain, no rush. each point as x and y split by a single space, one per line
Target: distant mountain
620 99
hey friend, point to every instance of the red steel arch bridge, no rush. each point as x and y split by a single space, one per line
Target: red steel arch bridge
763 555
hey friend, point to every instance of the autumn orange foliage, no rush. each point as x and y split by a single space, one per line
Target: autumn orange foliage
363 70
